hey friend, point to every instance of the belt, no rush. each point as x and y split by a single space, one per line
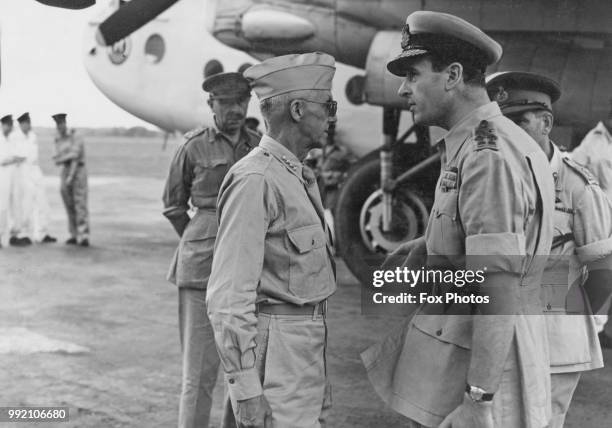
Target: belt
291 309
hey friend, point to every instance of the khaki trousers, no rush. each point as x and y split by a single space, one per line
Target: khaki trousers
562 387
200 359
290 358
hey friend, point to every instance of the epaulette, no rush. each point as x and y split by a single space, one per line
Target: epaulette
582 171
485 136
194 133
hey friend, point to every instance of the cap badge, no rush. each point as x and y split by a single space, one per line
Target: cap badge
405 37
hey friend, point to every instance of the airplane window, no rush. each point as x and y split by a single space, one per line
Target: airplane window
244 67
120 51
155 48
212 67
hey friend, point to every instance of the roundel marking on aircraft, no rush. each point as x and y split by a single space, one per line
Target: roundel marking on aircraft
120 51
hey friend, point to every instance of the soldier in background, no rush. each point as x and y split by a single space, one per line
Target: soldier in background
21 191
196 172
253 124
36 206
8 161
582 245
595 152
70 156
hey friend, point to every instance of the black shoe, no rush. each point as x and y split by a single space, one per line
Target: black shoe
605 340
84 243
21 242
24 242
71 241
13 240
48 239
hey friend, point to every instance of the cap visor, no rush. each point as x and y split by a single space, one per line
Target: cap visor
513 110
402 61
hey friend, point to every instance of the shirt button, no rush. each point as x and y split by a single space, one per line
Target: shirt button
439 332
548 306
232 381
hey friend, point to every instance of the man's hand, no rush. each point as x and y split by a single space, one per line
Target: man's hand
470 415
254 413
399 257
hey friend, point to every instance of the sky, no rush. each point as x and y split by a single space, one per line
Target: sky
42 69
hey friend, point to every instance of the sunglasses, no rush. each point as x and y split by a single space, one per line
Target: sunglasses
332 106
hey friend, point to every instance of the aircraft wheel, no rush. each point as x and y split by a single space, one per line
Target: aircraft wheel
358 220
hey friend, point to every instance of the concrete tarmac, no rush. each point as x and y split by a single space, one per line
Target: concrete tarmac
95 329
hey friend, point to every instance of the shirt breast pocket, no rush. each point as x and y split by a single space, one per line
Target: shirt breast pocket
309 267
209 174
449 232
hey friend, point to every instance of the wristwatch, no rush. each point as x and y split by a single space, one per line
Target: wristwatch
478 395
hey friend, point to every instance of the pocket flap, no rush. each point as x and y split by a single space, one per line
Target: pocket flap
307 238
454 329
202 226
448 205
211 163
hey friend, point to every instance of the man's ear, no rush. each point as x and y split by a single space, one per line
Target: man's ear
454 75
296 110
548 120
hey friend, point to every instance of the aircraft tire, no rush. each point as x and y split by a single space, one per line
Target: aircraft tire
360 186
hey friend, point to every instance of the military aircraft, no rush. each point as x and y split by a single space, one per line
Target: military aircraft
388 193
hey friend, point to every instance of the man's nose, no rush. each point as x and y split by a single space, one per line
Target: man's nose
404 89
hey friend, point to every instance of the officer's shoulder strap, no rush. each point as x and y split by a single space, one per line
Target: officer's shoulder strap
195 132
582 171
485 136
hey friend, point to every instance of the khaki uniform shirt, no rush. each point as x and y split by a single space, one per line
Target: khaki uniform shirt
271 247
595 152
196 173
494 197
583 214
68 148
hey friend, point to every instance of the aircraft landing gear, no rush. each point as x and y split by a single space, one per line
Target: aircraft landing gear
376 212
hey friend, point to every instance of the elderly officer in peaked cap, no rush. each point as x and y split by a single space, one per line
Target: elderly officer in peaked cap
582 241
70 156
476 365
273 268
194 178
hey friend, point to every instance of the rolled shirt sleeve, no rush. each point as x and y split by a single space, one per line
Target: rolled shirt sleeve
243 211
492 209
177 189
593 229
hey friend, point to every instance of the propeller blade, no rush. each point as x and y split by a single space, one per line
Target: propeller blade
68 4
129 18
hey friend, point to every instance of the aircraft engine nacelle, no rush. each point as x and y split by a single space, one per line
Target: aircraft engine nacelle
380 86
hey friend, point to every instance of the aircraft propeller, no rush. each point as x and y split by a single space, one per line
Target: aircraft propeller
127 19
